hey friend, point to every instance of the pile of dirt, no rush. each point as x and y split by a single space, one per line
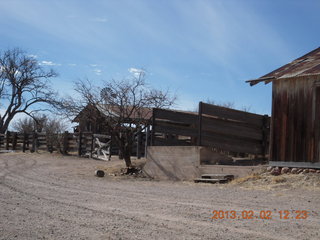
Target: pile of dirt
267 181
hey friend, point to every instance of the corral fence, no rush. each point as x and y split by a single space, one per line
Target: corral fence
227 130
213 126
65 142
80 143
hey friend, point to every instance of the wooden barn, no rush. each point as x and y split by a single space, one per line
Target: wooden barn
95 119
295 120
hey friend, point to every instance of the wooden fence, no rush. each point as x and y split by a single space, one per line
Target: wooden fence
214 126
174 128
81 143
65 143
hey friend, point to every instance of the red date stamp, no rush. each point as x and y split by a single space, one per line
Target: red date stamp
262 214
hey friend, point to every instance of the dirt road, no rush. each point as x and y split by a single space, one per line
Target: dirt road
52 197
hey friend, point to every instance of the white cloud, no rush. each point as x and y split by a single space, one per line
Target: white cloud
136 71
97 71
72 64
93 65
49 63
33 56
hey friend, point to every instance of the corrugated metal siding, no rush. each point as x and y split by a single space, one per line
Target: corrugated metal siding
295 120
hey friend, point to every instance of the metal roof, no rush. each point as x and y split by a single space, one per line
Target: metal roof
306 65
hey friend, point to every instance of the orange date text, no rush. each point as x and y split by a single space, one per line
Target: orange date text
262 214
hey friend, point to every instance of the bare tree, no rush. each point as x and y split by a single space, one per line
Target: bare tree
228 105
39 123
221 104
23 83
127 105
25 125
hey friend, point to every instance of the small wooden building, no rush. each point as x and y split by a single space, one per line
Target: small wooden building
96 118
295 123
90 119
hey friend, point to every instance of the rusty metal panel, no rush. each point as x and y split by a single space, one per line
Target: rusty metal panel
307 65
304 65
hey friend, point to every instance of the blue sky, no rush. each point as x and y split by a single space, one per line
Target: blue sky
199 49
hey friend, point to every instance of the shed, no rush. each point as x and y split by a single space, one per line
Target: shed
96 118
295 120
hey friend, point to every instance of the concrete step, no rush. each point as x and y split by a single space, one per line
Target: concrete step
210 180
218 176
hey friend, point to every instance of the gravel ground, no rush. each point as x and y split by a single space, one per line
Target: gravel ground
46 196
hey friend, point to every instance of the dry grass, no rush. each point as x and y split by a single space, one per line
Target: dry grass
266 181
278 179
252 177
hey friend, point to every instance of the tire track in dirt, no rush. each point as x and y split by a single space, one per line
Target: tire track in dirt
19 163
220 205
120 208
53 201
155 217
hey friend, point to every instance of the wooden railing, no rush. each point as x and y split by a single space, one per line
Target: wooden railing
66 143
81 143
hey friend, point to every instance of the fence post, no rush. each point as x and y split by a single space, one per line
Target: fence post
153 127
147 141
80 143
110 146
92 144
7 140
138 145
34 142
50 139
14 141
265 128
200 124
24 142
1 140
65 142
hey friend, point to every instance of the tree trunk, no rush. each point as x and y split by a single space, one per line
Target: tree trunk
123 142
5 123
127 159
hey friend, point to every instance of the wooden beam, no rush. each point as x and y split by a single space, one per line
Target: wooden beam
295 164
175 116
164 127
232 114
200 124
231 128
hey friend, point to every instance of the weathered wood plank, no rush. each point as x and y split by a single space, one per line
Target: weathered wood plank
171 142
231 128
165 127
199 123
176 116
230 143
227 113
